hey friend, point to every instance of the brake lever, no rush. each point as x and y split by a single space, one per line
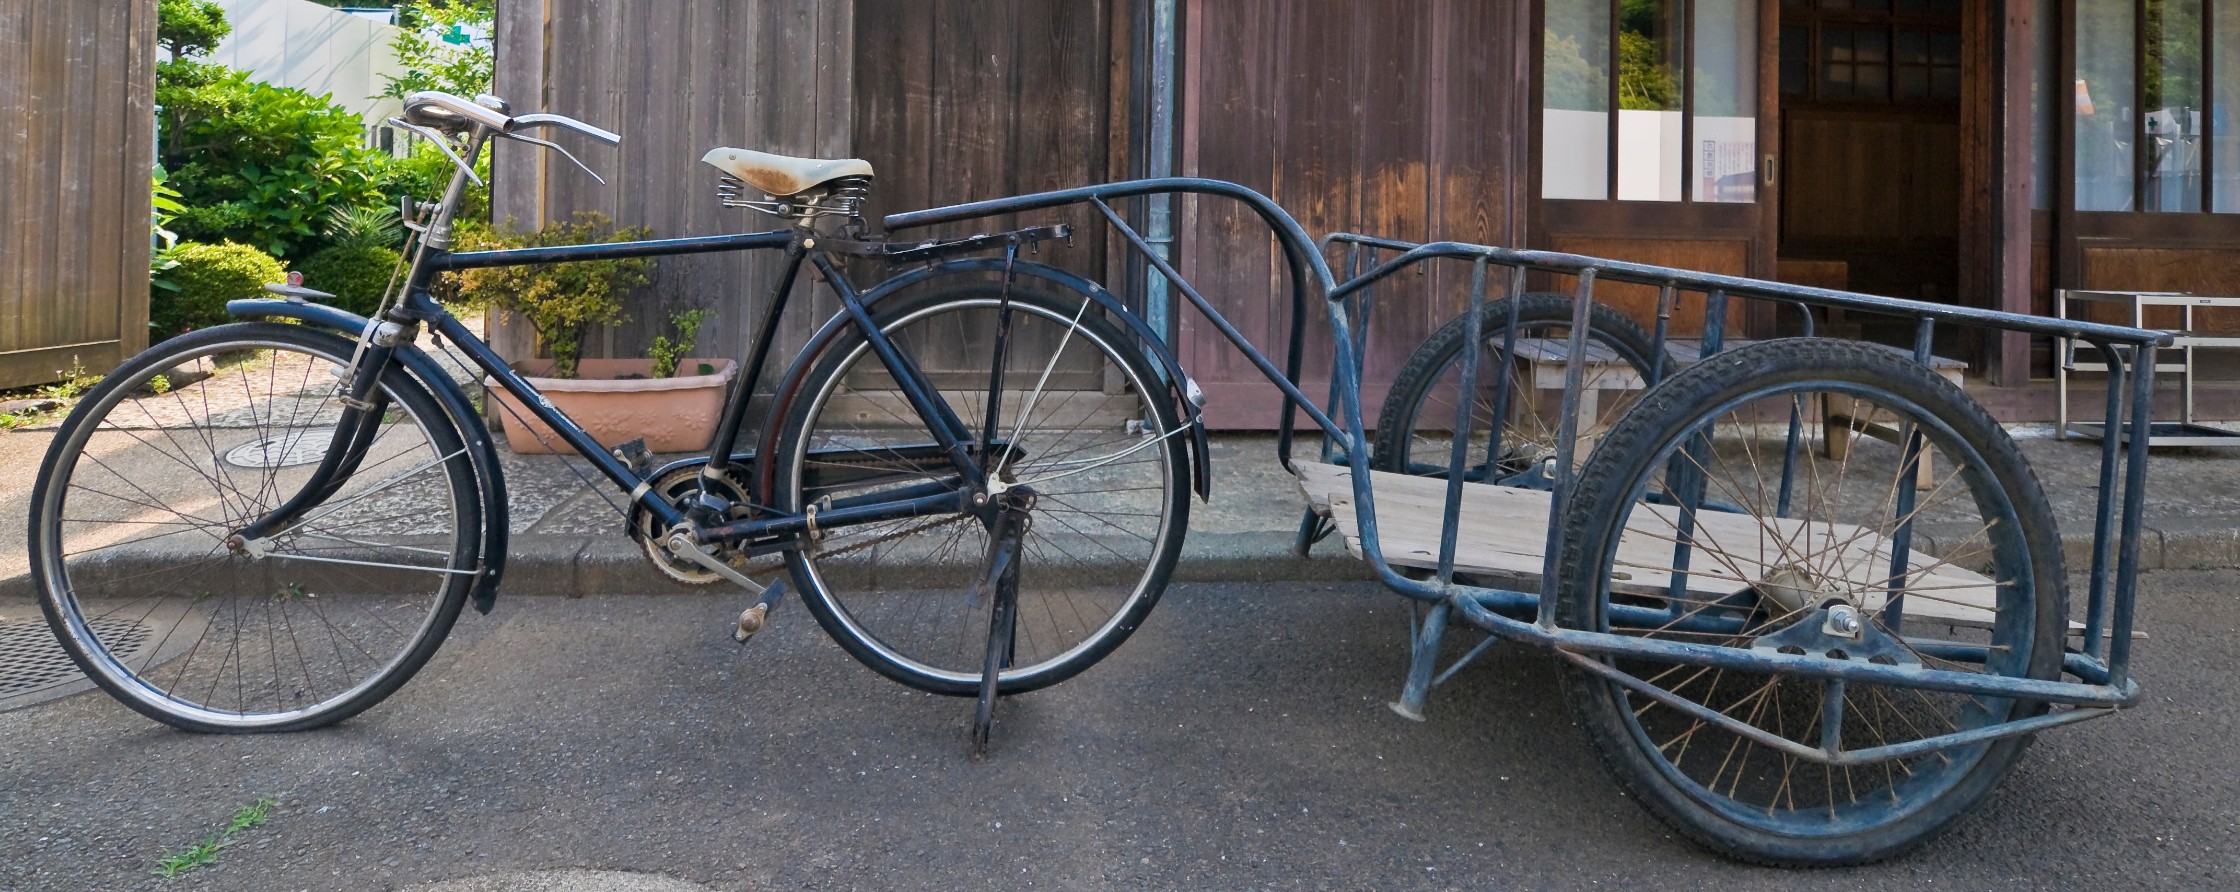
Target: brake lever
442 142
557 148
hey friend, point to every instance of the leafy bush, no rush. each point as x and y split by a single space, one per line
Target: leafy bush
364 227
208 275
257 163
190 28
428 55
426 171
667 353
562 301
357 275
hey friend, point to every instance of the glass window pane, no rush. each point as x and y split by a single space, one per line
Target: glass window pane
1944 48
2173 106
1913 83
1913 47
1944 83
1796 60
2043 59
1651 56
2105 89
2224 137
1725 160
1575 97
1871 45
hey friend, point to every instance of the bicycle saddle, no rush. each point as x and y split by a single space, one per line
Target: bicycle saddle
782 175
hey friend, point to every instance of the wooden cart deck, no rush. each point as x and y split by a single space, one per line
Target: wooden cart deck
1504 531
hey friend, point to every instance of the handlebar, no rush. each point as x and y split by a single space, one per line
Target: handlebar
443 111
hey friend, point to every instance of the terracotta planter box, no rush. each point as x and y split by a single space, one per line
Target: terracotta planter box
673 414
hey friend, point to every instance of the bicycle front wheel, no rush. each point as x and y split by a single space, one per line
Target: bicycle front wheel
1083 419
146 584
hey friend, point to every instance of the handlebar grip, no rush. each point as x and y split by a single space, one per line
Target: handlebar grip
443 111
567 123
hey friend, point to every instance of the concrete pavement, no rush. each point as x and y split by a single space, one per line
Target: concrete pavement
1239 741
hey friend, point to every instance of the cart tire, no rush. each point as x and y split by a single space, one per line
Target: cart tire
1399 446
1726 791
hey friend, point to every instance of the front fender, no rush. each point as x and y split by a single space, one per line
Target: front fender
1179 385
482 450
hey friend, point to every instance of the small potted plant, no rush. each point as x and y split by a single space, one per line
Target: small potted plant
612 399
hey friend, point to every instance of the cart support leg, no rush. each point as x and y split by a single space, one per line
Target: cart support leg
1423 659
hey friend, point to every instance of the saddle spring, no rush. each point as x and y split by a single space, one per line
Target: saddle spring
842 197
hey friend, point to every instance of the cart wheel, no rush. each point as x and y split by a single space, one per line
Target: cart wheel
1415 428
1711 516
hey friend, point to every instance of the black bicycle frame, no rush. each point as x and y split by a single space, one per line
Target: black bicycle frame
800 244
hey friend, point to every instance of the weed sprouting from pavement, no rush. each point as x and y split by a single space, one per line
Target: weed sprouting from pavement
205 852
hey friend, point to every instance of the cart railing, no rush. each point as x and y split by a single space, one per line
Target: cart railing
2102 663
2101 666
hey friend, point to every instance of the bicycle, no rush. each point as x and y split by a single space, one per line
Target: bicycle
906 498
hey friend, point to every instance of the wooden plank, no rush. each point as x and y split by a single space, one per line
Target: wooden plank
1503 532
73 186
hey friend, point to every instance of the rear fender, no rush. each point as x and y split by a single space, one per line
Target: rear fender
1180 388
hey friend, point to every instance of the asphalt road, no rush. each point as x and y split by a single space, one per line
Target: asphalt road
1239 741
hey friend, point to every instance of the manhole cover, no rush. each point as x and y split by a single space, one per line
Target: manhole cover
34 667
301 447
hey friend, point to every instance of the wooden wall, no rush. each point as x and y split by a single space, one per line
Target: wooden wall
675 78
950 101
77 77
1390 117
965 100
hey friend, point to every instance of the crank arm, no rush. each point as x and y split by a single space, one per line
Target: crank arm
680 543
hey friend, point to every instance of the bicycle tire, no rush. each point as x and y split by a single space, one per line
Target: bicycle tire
1115 533
1431 367
218 428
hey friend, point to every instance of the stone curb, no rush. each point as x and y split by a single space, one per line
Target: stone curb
582 566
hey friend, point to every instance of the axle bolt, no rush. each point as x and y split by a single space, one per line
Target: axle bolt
1843 619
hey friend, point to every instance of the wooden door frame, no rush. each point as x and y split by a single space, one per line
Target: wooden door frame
1997 143
1651 221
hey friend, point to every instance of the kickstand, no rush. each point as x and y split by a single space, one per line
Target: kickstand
1002 576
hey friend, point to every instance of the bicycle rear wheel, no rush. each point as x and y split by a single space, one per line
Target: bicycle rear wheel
1084 420
169 457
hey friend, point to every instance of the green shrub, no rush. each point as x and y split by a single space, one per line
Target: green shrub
208 276
428 55
190 28
357 276
260 164
562 301
667 353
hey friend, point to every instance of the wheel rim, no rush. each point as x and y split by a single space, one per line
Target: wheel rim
1533 411
1833 538
1104 500
150 486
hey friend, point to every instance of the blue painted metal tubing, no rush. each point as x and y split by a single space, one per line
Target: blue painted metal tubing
1581 642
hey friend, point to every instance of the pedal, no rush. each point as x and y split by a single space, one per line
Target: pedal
634 455
752 619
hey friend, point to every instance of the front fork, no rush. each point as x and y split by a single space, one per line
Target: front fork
363 407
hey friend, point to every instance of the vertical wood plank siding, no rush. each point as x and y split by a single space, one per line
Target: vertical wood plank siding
675 78
74 185
1402 119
